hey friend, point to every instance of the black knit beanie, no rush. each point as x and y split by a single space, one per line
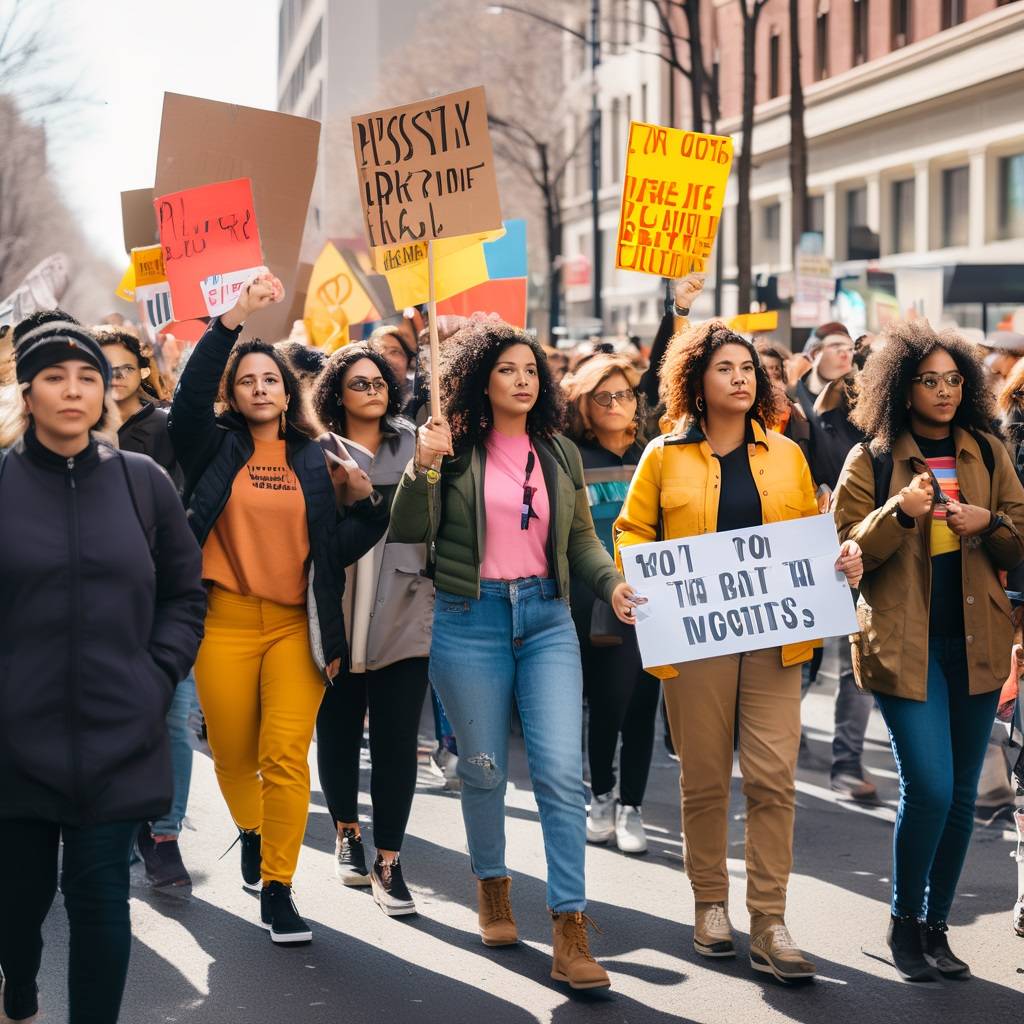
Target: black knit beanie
56 343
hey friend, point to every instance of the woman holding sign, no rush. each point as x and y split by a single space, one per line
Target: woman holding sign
498 496
264 507
938 509
722 470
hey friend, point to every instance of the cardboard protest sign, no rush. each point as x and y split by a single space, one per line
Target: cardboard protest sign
211 245
152 290
126 286
335 299
741 590
203 142
672 199
426 170
41 288
137 220
749 323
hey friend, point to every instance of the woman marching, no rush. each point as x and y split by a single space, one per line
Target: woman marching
605 417
937 507
264 507
498 494
101 613
720 470
390 610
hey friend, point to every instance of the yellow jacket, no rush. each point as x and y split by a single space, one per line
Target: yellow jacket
675 490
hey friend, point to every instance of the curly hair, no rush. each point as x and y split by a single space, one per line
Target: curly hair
881 411
579 386
153 385
686 361
466 366
327 394
296 417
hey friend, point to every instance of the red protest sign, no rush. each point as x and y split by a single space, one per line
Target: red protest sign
211 245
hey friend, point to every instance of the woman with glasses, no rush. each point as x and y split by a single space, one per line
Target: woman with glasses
390 609
605 418
498 495
937 508
277 528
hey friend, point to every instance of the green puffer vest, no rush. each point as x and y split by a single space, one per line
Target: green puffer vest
456 505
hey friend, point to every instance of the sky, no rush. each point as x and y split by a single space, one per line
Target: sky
125 55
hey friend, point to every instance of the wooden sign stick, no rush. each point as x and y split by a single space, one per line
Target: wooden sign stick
435 346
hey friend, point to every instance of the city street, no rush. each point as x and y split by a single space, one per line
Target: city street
205 961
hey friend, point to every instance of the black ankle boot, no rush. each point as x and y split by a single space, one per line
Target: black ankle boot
20 1001
938 954
905 942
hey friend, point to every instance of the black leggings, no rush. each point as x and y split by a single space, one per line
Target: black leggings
395 698
624 699
94 880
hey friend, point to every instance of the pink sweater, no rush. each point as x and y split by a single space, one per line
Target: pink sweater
511 552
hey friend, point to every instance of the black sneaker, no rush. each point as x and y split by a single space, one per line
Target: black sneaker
164 867
906 945
20 1001
251 862
279 916
939 955
389 889
350 858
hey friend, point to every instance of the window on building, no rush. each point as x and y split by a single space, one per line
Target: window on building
903 215
315 49
1011 196
316 106
860 31
581 47
616 142
861 241
629 112
900 23
282 36
814 219
821 44
955 205
952 12
771 222
643 102
774 71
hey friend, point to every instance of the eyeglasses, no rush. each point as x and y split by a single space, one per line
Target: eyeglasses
362 384
931 380
126 370
528 512
605 398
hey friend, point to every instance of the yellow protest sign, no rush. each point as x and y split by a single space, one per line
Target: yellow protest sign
148 265
334 300
460 265
126 287
749 323
672 199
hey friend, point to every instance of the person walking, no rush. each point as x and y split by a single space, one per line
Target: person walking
722 470
264 507
605 419
358 399
498 495
936 505
101 614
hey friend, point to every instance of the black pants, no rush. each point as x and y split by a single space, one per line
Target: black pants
394 696
94 880
623 699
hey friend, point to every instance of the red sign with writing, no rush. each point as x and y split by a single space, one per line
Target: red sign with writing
210 241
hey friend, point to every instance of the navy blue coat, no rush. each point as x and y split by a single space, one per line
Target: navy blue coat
98 622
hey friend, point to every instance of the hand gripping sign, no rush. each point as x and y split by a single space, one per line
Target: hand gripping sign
740 590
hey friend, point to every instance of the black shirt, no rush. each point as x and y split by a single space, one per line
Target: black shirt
739 506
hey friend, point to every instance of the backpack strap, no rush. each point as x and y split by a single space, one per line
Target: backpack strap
881 465
140 490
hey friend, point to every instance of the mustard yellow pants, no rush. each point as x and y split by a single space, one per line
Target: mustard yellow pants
260 691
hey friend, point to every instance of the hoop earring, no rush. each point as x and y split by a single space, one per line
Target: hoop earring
700 404
284 423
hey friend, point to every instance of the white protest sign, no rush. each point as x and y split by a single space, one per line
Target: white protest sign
743 590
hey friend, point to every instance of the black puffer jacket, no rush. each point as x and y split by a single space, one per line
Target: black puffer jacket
95 632
213 449
146 433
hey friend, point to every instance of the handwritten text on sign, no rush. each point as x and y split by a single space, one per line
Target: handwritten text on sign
742 590
671 199
426 170
211 245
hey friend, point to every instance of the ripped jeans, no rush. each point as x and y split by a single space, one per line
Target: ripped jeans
517 640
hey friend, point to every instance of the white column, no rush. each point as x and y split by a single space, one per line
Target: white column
786 241
873 186
922 207
830 225
976 224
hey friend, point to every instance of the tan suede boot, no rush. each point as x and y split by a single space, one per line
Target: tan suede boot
572 960
497 925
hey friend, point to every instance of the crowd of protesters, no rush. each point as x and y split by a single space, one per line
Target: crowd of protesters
292 544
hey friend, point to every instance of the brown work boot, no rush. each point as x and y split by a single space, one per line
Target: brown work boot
712 933
572 961
497 925
773 951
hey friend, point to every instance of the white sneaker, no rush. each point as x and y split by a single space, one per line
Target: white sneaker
601 819
629 830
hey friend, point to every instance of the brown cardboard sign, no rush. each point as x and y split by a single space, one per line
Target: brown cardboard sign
203 142
137 218
426 170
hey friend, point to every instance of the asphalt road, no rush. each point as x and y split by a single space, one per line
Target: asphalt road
204 960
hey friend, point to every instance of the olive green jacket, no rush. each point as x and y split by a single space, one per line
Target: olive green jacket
455 507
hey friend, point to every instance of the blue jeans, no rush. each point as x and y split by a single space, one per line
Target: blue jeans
939 745
517 640
181 756
442 727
